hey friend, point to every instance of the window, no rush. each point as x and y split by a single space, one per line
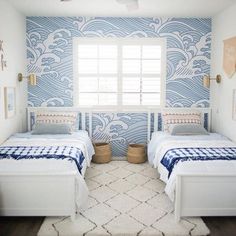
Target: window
119 72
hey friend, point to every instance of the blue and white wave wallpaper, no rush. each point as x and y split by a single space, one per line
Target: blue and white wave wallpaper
50 56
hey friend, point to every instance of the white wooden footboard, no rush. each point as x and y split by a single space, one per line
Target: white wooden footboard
205 195
37 195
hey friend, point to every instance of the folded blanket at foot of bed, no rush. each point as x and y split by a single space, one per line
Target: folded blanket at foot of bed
173 156
45 152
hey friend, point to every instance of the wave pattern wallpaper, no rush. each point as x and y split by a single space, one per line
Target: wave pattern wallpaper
50 56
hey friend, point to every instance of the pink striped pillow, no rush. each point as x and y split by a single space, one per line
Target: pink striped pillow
54 117
169 118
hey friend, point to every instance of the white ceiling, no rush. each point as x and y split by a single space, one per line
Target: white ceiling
168 8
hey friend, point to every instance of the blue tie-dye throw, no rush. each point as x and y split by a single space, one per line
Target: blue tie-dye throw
173 156
45 152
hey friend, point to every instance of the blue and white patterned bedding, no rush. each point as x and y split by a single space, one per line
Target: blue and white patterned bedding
43 152
191 155
80 136
79 139
159 137
175 155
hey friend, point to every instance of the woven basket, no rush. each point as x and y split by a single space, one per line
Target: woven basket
102 153
136 153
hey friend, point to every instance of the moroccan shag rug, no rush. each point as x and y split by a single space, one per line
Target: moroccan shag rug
125 200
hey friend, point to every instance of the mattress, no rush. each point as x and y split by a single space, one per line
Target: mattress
162 142
78 139
160 136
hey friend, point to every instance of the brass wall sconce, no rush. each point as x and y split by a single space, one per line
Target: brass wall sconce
207 79
31 78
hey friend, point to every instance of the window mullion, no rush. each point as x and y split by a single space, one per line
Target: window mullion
119 74
98 75
141 76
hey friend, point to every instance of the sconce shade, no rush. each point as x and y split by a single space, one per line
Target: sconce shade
32 79
206 81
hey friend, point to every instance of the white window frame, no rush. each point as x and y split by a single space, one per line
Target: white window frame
120 41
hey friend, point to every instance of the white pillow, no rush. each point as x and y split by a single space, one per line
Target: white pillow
187 129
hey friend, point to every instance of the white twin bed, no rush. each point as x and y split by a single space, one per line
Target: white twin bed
44 187
203 186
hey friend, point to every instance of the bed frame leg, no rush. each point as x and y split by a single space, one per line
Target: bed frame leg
177 218
178 198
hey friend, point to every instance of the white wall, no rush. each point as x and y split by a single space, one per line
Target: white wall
12 32
224 27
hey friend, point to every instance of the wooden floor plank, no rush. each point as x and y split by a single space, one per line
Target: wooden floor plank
221 226
20 226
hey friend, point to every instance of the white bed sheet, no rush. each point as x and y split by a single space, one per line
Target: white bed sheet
78 139
161 142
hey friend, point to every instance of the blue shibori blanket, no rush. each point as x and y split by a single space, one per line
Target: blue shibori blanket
173 156
46 152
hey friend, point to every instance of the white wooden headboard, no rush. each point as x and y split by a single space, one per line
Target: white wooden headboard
85 113
155 121
152 115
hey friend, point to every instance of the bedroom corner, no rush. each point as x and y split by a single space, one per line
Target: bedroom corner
13 49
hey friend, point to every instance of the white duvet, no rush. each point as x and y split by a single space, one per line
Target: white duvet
78 139
163 142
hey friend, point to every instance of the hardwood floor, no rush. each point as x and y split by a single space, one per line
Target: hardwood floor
221 226
29 226
20 226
